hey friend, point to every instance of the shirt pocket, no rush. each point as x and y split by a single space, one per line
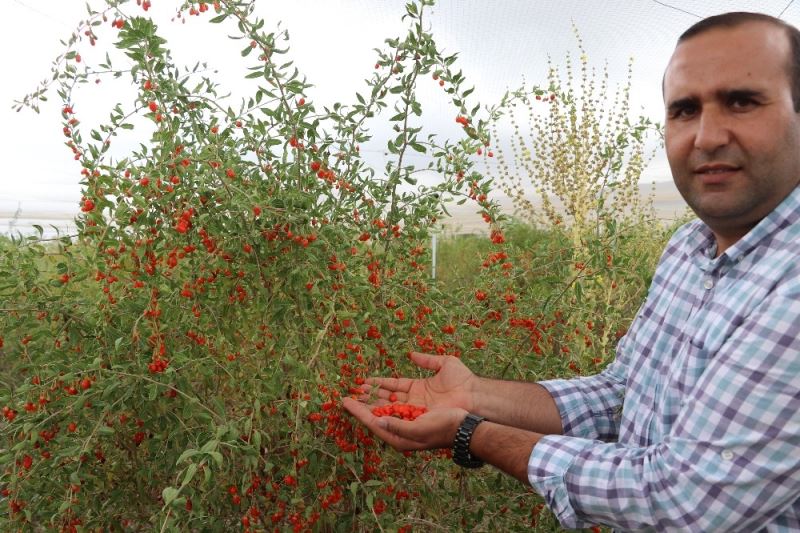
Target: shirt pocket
688 366
695 362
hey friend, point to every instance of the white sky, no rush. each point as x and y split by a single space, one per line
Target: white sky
332 42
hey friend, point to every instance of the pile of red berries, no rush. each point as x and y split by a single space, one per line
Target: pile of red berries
406 411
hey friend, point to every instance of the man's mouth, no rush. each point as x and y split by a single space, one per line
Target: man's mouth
714 174
715 169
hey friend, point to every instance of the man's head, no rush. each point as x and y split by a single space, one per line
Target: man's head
735 18
732 126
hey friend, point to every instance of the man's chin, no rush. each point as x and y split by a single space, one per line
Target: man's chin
717 207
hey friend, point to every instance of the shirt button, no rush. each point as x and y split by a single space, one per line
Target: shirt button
708 283
727 455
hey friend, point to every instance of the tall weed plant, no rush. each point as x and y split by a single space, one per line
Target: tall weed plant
578 148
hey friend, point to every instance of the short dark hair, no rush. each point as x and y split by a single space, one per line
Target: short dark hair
735 18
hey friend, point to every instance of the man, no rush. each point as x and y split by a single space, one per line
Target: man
709 435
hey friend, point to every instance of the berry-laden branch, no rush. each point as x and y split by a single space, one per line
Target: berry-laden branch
238 270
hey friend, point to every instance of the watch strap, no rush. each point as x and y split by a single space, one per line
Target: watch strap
461 454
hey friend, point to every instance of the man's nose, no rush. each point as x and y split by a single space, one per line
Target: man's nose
713 131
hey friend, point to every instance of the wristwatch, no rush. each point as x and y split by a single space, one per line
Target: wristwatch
461 454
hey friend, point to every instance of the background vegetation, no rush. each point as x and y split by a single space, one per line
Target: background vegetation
178 364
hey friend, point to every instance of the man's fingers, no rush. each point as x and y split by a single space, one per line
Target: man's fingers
361 411
390 384
372 400
400 434
383 427
379 393
427 361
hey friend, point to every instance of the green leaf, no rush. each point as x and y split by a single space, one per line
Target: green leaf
189 475
109 390
191 452
217 457
210 446
152 392
169 494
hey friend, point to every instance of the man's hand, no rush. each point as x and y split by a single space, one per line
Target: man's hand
448 396
452 385
432 430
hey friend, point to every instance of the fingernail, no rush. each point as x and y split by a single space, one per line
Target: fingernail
382 423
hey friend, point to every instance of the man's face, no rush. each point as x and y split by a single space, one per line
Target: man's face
732 135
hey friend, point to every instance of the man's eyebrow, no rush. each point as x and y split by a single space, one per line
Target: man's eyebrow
728 94
682 103
724 95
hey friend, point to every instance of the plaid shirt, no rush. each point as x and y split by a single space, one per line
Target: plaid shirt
709 434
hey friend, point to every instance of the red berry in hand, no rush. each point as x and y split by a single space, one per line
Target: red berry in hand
405 411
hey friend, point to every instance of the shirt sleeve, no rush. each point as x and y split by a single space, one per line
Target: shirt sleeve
731 461
590 407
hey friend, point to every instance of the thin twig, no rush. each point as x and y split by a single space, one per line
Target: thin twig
679 9
785 8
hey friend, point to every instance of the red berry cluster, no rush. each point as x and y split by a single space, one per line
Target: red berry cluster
185 222
158 365
406 411
9 414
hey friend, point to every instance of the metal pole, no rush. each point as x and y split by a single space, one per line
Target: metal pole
433 258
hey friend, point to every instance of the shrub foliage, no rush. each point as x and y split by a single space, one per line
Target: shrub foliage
178 364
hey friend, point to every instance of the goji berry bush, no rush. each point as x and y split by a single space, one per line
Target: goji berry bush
178 364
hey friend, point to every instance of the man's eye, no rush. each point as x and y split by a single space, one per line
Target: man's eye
742 103
683 112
